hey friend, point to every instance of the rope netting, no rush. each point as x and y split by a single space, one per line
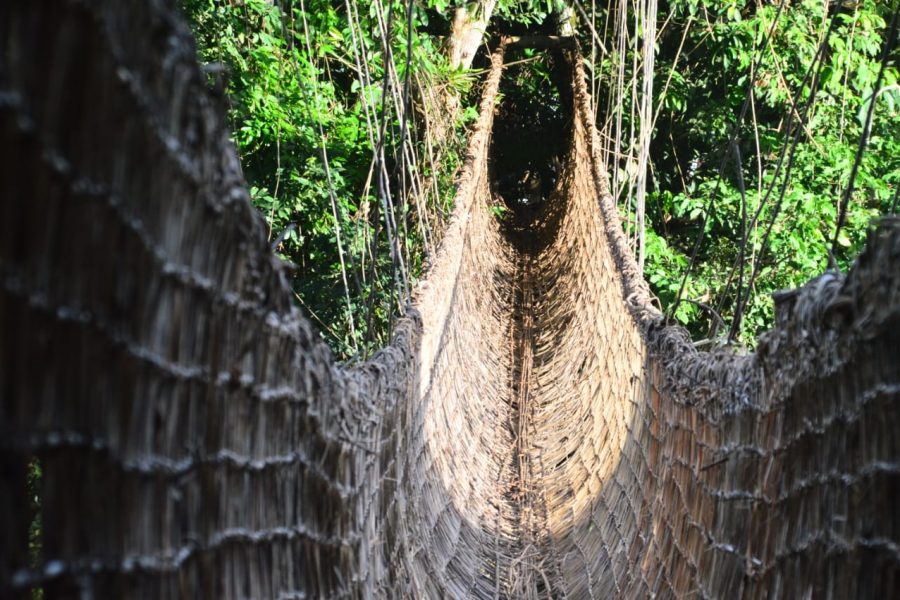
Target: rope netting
534 430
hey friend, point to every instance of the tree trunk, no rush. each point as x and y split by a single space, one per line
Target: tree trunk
469 26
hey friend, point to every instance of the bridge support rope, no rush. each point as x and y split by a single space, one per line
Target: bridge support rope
534 429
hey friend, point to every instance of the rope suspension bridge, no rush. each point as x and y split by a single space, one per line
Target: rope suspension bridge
534 430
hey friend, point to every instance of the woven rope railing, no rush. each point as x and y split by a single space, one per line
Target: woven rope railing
534 430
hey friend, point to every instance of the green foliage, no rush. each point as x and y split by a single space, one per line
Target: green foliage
33 485
528 12
498 210
306 91
725 51
307 85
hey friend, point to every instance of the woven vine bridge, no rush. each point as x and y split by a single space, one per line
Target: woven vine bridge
534 430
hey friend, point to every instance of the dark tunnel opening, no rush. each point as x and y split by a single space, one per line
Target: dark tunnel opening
531 130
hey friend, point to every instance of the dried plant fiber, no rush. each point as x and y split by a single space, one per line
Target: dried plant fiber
534 430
